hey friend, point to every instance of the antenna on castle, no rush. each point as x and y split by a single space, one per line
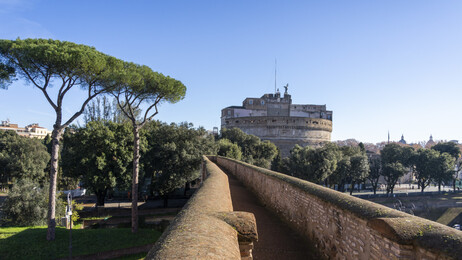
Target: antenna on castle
275 66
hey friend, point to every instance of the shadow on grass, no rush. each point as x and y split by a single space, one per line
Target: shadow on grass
31 243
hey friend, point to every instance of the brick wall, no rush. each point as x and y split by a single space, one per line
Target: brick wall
207 227
343 226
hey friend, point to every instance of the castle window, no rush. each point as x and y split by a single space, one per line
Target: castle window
250 101
262 102
237 121
227 122
229 112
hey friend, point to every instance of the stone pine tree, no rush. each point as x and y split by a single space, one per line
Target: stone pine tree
64 65
138 86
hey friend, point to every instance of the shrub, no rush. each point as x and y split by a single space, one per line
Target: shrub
27 204
229 149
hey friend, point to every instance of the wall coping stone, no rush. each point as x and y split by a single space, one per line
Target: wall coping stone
201 230
244 223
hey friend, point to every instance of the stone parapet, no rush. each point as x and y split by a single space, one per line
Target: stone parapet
343 226
207 227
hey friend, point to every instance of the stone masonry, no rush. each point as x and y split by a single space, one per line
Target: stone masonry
345 227
276 119
207 227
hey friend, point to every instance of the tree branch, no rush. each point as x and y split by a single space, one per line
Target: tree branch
82 108
45 85
61 89
32 79
146 118
120 105
38 68
139 103
130 109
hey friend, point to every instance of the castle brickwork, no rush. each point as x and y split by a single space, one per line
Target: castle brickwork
274 118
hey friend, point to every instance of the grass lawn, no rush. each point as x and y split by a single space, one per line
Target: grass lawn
435 198
31 243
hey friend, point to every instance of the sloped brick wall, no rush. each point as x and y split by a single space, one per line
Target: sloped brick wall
207 227
343 226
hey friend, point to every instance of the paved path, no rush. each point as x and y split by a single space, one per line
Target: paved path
275 239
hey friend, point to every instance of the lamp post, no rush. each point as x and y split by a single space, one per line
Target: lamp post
69 218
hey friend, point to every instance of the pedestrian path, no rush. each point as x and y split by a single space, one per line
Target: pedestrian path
275 239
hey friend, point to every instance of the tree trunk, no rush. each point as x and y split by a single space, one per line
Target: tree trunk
136 165
165 197
51 221
422 186
374 186
439 187
187 186
100 196
352 188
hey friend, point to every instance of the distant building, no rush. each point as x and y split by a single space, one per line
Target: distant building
430 142
31 131
273 117
402 140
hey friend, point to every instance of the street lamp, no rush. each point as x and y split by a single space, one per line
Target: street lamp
69 219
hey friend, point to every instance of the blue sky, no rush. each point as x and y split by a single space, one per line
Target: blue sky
379 65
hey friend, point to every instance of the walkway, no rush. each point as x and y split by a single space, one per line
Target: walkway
275 239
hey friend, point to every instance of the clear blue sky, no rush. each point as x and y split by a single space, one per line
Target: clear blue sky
379 65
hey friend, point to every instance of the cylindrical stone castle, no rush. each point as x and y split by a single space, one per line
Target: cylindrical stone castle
276 119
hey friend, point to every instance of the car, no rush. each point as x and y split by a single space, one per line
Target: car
75 193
